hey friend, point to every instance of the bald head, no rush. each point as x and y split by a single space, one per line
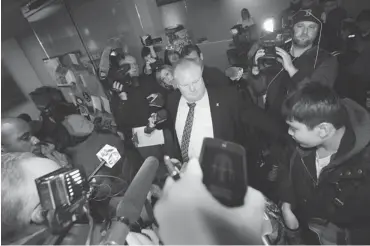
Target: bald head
15 135
186 66
189 80
20 202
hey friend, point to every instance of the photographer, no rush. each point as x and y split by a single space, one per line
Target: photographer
305 61
151 59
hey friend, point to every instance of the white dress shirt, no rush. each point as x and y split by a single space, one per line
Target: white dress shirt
202 124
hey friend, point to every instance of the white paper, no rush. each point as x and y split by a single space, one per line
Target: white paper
96 103
144 140
106 105
73 59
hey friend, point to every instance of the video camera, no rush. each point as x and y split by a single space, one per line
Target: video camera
64 196
274 37
147 40
63 193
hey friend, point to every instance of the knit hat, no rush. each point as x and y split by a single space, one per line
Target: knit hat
313 15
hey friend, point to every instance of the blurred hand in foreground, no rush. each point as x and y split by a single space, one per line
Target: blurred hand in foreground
188 214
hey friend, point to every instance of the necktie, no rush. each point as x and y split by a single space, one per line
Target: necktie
185 141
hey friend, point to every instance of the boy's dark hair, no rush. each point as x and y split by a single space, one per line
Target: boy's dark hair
313 104
190 48
145 51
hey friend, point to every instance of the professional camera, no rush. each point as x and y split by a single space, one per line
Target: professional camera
274 37
63 194
147 40
65 197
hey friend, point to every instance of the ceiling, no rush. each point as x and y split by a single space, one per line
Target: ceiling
12 21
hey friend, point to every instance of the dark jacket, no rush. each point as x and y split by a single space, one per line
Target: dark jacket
214 77
332 28
226 107
341 195
135 111
278 84
325 73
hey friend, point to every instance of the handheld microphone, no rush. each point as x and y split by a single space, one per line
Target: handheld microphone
129 208
155 119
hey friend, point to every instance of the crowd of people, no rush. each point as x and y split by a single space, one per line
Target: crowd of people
307 143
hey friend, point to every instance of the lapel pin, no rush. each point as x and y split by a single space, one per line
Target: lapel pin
217 104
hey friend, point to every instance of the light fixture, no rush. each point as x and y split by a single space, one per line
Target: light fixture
269 25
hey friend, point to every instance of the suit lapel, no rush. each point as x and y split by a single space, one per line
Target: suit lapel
215 106
174 104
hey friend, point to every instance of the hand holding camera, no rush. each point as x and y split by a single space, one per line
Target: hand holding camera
286 60
260 53
281 56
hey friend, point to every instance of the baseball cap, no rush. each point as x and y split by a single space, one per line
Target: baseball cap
313 15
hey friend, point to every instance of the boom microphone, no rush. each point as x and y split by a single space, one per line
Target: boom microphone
129 208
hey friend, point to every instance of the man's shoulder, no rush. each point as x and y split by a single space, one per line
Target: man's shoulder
214 76
225 93
173 96
318 51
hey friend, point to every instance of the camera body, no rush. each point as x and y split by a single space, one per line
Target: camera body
270 41
147 40
62 194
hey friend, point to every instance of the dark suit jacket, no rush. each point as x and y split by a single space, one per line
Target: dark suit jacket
226 106
213 76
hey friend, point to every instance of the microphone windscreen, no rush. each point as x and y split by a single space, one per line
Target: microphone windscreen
134 199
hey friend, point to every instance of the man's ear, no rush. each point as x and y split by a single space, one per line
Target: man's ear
325 129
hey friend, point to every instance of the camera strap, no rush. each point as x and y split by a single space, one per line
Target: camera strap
275 77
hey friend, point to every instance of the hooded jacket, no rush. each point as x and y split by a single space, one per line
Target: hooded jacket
319 66
341 194
277 83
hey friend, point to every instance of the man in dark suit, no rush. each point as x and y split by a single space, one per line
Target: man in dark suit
197 112
212 76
